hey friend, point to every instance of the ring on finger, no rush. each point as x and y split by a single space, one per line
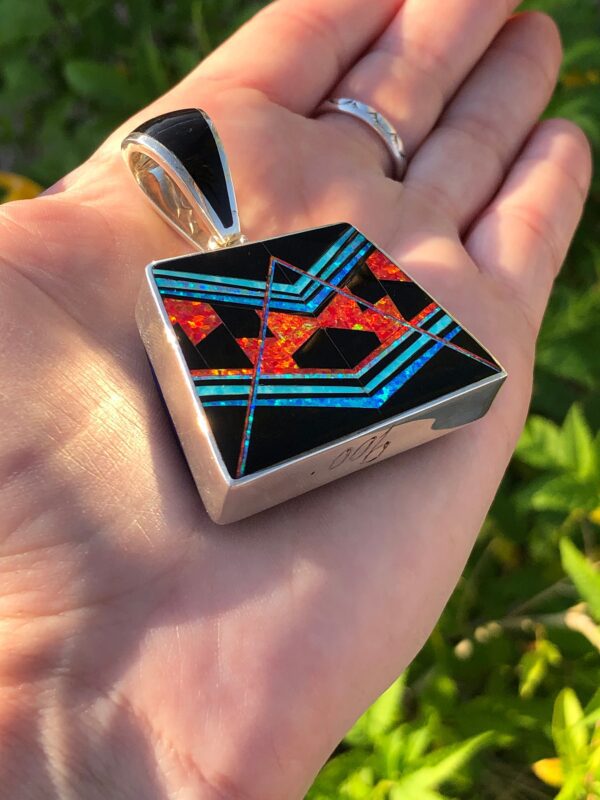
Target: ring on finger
376 121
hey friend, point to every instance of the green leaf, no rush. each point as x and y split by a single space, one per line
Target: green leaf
574 787
443 764
416 744
534 666
564 493
199 27
578 443
22 81
104 84
593 704
391 751
402 793
382 790
24 20
381 716
583 574
336 771
574 354
358 786
569 731
597 461
582 51
154 62
386 710
541 445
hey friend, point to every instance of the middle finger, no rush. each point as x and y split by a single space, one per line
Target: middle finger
416 65
464 160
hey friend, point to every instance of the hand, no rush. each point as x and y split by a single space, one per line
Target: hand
148 653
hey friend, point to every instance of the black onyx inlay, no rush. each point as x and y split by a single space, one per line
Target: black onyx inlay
408 298
303 251
188 135
221 351
319 352
190 352
240 322
354 345
365 285
466 341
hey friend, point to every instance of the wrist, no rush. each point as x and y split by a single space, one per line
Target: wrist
58 739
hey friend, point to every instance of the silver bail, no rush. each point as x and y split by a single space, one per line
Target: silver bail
179 162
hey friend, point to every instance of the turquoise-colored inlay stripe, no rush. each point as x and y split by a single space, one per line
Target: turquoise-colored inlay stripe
237 283
350 402
421 342
396 383
324 292
210 391
396 344
196 286
267 390
255 299
239 299
228 389
305 281
194 277
337 279
307 402
345 401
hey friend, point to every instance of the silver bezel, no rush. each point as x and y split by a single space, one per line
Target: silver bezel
228 499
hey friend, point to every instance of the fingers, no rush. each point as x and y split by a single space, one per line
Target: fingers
523 237
295 50
463 162
417 64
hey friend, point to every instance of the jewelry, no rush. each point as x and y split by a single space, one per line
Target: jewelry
376 121
289 362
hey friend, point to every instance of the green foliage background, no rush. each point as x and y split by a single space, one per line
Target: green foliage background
510 677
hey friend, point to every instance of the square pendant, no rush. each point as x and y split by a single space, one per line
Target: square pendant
290 362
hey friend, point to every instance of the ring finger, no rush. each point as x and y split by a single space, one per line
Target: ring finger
415 66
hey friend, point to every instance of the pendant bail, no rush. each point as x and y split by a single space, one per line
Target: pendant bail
179 162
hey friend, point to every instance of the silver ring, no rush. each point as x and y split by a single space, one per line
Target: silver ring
376 121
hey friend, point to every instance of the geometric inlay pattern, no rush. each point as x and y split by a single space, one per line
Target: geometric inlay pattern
298 341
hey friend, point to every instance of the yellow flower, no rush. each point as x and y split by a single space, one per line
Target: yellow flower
549 770
578 78
17 187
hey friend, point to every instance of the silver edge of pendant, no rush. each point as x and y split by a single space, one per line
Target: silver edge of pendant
376 121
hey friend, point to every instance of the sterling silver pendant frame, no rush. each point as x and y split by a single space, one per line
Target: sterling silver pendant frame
288 363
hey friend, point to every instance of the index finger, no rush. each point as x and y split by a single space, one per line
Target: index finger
295 50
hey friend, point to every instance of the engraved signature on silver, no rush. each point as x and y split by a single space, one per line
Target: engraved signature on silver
366 452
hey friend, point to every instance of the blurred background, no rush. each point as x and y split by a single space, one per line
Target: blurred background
504 700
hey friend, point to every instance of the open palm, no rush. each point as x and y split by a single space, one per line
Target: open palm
151 654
